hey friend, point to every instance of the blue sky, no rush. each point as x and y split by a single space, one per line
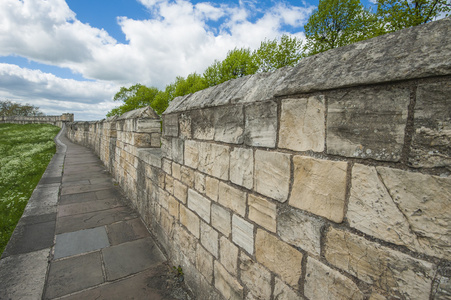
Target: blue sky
74 55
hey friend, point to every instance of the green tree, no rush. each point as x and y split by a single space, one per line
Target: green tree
238 63
134 97
273 54
9 108
338 23
399 14
193 83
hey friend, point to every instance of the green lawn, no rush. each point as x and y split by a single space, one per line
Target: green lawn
25 152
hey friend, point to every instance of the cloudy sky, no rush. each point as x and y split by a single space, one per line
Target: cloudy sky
74 55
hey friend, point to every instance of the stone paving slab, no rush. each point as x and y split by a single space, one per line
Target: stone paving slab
87 207
76 189
151 284
78 242
23 276
31 234
94 219
130 258
74 274
126 231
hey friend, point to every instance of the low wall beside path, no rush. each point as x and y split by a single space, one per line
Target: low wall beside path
329 180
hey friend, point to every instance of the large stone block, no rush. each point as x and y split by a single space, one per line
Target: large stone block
212 188
261 125
202 124
220 219
262 212
190 220
242 167
209 239
319 186
243 234
256 278
177 150
229 287
232 198
284 292
214 160
199 204
229 124
368 122
204 263
431 146
279 257
302 124
180 191
171 125
322 282
228 254
299 230
394 272
404 208
272 174
192 154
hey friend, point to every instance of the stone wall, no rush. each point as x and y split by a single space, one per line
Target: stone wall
329 180
54 120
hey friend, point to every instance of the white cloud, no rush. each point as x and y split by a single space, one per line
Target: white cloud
177 39
55 95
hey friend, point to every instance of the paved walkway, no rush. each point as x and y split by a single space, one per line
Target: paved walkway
99 248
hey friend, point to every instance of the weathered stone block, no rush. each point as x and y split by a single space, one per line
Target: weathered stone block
279 257
431 146
242 167
185 126
173 207
368 122
209 239
261 125
229 124
180 191
232 198
229 287
404 208
392 271
202 124
175 170
283 292
190 220
166 166
262 212
228 254
186 243
169 184
204 263
192 154
220 219
199 204
319 186
187 176
256 278
148 125
300 230
212 188
302 124
272 174
140 140
199 182
177 150
322 282
243 234
213 159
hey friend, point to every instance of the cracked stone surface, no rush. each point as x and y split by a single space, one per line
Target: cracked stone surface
403 208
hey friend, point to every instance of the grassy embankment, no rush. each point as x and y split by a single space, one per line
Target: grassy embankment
25 152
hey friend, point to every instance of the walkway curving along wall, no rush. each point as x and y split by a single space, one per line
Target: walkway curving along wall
329 180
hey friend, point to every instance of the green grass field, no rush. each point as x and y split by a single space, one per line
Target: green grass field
25 152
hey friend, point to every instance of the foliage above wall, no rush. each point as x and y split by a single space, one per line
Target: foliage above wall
335 23
9 108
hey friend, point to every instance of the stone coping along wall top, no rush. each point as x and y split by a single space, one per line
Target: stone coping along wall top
416 52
